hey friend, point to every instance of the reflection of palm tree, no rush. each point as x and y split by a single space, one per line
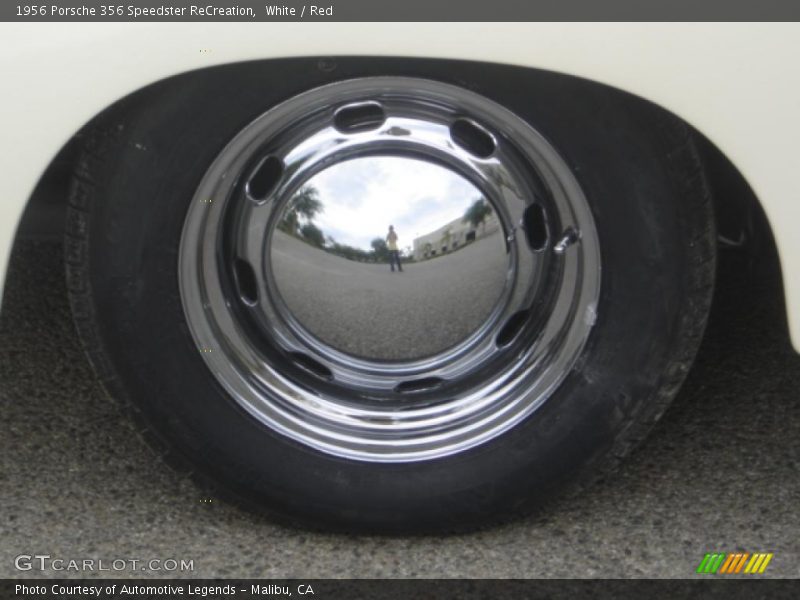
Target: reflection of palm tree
305 203
477 214
312 234
380 250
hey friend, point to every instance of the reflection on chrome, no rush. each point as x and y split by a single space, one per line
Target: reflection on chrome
389 258
288 276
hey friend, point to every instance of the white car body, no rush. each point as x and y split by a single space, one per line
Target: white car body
736 83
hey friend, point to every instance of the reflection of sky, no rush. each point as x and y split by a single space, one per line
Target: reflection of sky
362 197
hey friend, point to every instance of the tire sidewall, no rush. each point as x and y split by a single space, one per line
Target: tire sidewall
156 157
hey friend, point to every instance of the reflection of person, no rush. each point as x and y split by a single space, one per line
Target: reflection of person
394 254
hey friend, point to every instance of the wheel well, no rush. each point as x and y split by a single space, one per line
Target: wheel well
740 219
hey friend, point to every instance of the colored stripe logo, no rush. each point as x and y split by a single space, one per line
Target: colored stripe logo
723 563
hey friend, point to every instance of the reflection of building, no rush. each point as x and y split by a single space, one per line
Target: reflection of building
452 236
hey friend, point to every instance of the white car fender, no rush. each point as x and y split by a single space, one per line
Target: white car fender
735 82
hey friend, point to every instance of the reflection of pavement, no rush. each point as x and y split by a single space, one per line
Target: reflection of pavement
367 310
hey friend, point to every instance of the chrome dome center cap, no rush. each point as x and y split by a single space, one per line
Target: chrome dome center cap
389 258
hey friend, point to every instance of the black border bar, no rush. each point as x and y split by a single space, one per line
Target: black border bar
705 587
398 10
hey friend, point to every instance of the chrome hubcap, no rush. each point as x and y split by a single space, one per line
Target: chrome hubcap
291 282
336 282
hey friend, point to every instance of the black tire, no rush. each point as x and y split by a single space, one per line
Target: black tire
640 171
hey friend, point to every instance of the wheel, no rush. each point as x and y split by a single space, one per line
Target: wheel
232 275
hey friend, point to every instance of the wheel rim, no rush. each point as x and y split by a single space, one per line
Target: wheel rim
271 357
